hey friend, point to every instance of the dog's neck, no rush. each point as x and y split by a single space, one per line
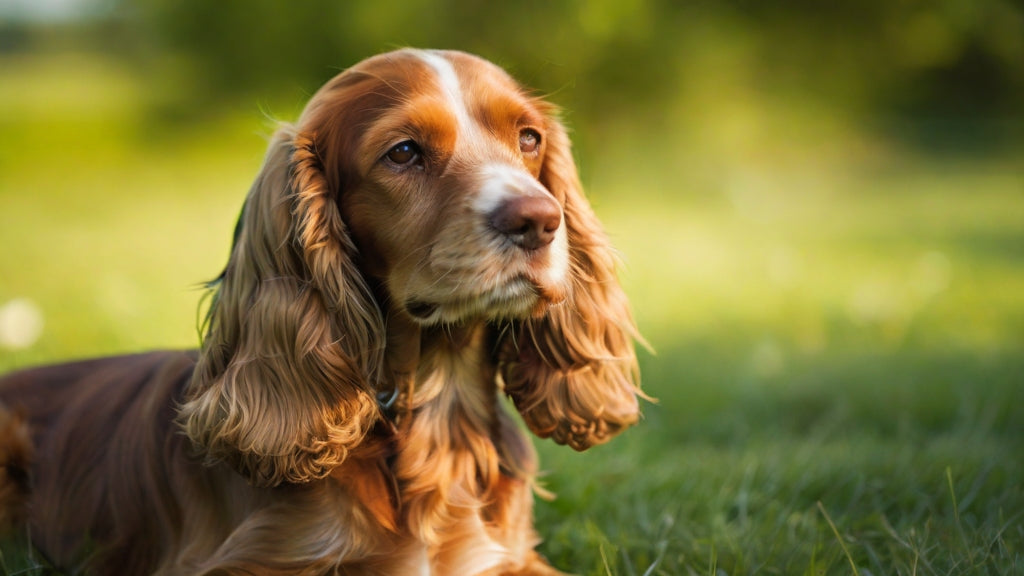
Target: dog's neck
448 458
451 363
424 362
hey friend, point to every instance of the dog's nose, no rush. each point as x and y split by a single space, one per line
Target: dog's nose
529 221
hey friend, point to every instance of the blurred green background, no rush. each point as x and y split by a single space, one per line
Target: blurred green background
820 209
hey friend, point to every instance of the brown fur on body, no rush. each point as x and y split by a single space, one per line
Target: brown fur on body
470 268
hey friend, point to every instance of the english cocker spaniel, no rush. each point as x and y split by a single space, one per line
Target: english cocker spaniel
415 247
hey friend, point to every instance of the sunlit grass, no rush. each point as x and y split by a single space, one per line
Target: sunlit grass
914 252
838 344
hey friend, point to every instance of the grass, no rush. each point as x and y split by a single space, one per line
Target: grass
758 477
840 343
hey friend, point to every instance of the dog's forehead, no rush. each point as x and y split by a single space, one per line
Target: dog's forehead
459 71
462 81
448 69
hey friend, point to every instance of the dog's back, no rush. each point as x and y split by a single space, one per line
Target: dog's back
71 437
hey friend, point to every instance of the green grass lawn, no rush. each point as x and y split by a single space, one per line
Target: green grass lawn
839 365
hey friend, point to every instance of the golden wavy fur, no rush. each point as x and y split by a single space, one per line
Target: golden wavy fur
414 247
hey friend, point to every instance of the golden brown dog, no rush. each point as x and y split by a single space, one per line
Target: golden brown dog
414 248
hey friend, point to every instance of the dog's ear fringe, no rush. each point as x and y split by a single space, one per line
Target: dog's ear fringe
283 387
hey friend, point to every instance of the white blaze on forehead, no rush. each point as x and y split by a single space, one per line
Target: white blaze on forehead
450 86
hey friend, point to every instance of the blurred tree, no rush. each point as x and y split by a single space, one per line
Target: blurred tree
958 60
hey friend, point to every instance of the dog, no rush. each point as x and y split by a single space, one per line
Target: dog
415 248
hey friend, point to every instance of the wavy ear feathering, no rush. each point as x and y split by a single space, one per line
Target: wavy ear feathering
283 389
572 372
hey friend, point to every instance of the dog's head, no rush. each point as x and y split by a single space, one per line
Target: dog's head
439 159
417 189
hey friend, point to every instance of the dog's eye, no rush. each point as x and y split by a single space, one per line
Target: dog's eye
529 141
404 154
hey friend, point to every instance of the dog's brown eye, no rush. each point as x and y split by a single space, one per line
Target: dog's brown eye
529 141
404 154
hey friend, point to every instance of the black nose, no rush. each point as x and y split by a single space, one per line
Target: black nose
529 221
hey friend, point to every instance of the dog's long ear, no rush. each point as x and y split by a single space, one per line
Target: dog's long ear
283 389
572 373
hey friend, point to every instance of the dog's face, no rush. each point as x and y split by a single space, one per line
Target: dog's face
441 167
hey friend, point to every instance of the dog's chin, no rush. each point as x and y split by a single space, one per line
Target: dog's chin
517 299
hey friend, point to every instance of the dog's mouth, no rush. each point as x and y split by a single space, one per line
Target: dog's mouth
421 310
519 297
